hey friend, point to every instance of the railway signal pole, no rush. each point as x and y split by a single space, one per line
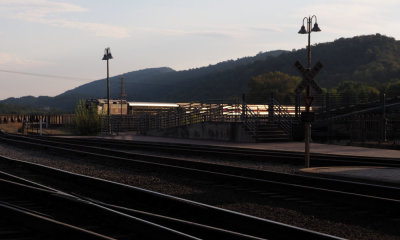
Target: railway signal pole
308 75
107 56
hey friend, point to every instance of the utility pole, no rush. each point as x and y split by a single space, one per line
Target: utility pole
107 56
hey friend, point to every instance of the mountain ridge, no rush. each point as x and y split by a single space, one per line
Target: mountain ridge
370 59
149 79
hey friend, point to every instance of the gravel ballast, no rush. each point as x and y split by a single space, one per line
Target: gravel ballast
311 216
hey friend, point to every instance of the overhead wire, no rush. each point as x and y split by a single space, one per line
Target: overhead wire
43 75
72 78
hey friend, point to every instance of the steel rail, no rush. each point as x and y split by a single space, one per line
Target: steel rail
79 215
200 230
235 152
215 169
35 226
162 204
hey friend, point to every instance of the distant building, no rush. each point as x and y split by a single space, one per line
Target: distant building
135 108
130 108
115 106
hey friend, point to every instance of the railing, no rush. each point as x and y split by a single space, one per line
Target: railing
346 126
364 128
250 119
188 115
199 113
282 117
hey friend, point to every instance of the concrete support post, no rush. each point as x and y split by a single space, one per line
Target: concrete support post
40 125
307 144
327 103
297 106
271 108
244 107
384 120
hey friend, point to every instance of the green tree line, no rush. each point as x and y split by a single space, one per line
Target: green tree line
283 86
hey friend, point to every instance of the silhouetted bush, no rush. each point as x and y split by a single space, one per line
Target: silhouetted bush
87 120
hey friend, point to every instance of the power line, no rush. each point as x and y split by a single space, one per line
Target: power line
43 75
74 78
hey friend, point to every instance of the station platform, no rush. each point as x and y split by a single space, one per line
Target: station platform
376 175
385 175
280 146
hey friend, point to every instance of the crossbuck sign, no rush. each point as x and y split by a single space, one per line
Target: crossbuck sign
308 77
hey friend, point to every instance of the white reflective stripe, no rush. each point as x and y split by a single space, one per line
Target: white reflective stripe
152 104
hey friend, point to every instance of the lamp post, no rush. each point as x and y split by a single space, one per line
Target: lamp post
308 98
107 56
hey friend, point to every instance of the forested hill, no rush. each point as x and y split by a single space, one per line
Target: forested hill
371 59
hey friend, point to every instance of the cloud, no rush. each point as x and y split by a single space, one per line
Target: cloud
101 30
47 12
210 34
265 29
12 60
216 32
170 32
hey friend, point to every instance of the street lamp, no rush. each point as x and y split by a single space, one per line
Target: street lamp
306 29
107 56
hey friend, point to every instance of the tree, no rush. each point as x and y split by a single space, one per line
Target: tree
393 89
355 92
281 85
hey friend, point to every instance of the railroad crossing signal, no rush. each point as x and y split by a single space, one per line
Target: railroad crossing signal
308 77
308 101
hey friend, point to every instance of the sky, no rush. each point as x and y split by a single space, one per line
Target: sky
58 45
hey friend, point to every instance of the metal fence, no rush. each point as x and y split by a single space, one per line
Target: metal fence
193 113
363 128
340 117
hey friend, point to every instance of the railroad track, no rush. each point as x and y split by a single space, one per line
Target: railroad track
374 199
233 153
57 215
20 223
109 210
